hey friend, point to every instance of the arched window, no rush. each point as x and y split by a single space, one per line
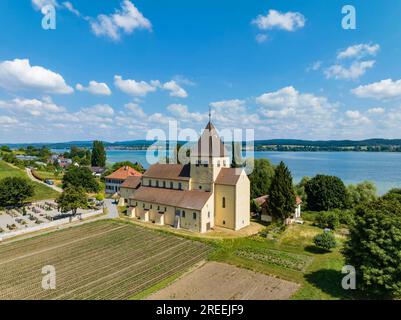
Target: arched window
224 202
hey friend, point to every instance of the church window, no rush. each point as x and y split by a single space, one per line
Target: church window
194 215
183 213
224 202
208 214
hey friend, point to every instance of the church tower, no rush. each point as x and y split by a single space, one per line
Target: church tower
207 158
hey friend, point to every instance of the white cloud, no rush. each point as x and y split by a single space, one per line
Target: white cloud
355 71
376 111
181 112
358 51
5 120
98 88
354 118
135 88
384 89
175 89
233 104
260 38
69 6
126 20
288 112
135 109
39 4
19 74
314 66
33 107
289 21
99 110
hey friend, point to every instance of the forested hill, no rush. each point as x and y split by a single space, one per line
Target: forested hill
329 145
260 145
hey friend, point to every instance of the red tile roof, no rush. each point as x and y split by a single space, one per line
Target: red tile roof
132 182
187 199
168 171
228 176
123 173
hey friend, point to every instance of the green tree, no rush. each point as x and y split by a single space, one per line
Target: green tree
80 177
98 154
236 156
373 247
72 199
254 206
325 240
5 148
260 178
281 193
361 193
137 166
14 191
326 193
393 194
300 190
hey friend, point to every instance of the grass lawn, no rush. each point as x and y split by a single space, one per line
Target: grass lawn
292 256
41 191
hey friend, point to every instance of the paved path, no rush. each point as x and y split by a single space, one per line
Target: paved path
30 175
112 209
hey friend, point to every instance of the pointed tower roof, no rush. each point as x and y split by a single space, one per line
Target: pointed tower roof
209 144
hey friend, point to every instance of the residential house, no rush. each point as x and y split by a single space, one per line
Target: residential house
263 203
117 178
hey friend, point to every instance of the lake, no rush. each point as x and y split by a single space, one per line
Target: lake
383 168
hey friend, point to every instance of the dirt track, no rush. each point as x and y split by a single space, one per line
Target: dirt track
220 281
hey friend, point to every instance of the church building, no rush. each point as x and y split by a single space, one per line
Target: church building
196 196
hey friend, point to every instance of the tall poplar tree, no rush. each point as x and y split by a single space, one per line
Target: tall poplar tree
98 158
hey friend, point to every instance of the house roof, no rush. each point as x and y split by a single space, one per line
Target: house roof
264 200
98 169
123 173
168 171
132 182
188 199
228 176
209 144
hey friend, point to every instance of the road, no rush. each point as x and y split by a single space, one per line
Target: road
30 175
111 208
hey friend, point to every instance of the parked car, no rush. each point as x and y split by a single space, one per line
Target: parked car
49 182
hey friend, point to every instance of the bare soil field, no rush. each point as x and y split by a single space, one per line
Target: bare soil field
99 260
220 281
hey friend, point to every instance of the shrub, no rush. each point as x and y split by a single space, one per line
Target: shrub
325 240
100 197
328 219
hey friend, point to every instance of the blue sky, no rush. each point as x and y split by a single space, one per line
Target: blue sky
116 69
